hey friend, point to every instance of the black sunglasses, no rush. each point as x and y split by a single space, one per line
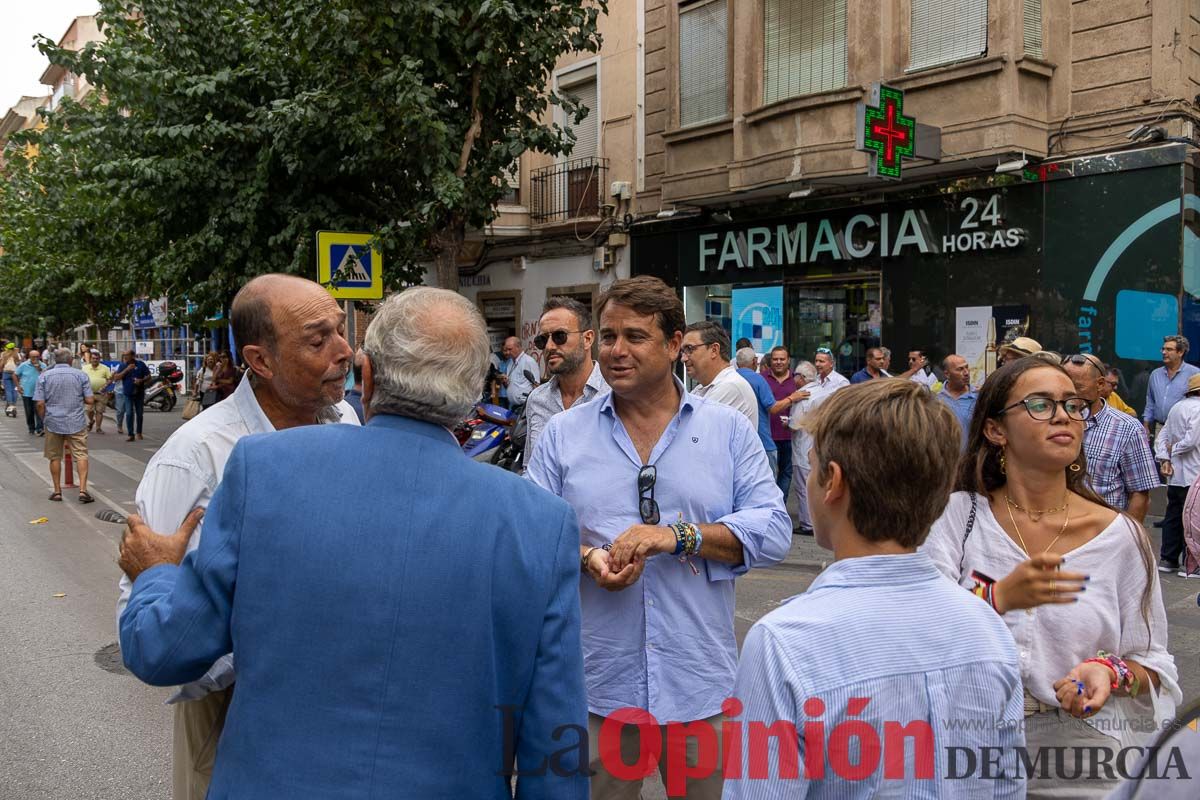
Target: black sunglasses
648 509
559 337
1080 360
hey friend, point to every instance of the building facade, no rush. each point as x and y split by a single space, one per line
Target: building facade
932 174
561 230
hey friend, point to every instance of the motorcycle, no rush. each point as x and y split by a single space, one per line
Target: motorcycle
162 390
482 435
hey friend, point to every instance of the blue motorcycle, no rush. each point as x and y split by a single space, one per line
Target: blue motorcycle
482 435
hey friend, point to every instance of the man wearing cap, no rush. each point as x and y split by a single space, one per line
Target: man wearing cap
1120 465
1168 383
1018 348
1177 448
100 377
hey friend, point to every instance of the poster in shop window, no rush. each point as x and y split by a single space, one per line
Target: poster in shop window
972 332
758 316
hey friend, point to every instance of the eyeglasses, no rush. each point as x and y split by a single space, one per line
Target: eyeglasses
688 349
559 337
1081 360
825 350
646 505
1043 409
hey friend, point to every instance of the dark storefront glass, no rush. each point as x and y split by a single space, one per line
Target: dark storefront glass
1084 263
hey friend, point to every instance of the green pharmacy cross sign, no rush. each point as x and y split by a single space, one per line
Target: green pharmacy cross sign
885 131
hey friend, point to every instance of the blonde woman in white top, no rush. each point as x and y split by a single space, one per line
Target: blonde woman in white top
1074 579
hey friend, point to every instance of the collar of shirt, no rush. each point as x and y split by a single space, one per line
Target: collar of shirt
969 394
1100 417
881 570
247 405
687 403
595 382
726 374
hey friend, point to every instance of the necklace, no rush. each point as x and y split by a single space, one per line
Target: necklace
1034 514
1021 539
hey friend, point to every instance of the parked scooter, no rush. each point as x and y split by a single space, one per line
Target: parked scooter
482 435
162 391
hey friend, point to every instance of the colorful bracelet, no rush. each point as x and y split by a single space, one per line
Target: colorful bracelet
984 588
1125 676
687 538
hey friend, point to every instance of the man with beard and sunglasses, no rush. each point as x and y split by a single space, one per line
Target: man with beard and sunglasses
675 499
292 338
565 337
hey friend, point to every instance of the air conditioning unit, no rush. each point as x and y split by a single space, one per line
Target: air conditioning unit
601 259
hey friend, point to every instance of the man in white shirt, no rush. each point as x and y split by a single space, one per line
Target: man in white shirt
517 363
705 355
1177 448
828 380
292 338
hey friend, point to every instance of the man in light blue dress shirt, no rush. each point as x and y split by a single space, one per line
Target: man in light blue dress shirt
675 499
1168 383
882 650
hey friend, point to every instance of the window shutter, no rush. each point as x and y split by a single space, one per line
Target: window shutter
587 132
804 47
945 31
703 63
1033 28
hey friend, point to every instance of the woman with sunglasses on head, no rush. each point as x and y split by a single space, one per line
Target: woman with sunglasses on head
1074 579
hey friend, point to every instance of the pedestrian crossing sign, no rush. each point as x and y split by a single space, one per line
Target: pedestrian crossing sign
348 266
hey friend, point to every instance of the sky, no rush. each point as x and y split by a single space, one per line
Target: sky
20 63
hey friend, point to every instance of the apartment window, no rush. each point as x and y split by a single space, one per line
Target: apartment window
1033 28
804 47
945 31
581 86
703 62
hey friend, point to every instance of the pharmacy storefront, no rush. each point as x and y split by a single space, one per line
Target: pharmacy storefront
1091 255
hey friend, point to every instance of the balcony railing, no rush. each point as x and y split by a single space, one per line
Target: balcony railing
566 191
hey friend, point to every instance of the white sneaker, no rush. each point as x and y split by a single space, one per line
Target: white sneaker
1185 574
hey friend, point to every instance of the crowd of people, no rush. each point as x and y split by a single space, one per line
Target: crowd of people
569 633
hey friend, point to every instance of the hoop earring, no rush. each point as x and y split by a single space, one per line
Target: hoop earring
1074 467
1003 463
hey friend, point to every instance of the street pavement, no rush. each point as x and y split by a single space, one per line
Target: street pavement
74 724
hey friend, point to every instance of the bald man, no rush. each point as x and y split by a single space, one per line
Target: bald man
292 338
517 363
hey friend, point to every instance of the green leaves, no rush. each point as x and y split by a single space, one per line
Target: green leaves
232 130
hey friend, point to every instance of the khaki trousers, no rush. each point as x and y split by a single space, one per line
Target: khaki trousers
198 725
607 787
96 409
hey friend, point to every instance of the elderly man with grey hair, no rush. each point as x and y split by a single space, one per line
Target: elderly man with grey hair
292 338
747 367
62 395
806 373
399 632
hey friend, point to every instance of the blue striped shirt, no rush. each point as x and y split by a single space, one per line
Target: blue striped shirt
1164 392
893 631
63 388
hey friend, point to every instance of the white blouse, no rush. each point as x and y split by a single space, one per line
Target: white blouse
1052 639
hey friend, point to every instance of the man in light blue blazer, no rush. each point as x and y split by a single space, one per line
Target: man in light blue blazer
405 620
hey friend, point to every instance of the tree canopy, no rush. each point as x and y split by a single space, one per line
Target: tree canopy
222 134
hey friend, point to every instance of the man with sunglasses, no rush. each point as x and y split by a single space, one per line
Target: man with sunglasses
1119 462
565 337
675 499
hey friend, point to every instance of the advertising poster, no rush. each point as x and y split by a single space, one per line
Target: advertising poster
758 316
971 338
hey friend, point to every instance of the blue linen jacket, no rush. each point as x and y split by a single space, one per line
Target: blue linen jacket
397 611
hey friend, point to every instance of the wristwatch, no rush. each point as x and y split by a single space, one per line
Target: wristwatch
583 560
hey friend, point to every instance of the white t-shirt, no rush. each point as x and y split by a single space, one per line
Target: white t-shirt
731 389
1053 639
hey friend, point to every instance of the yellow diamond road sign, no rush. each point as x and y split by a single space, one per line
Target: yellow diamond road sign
348 267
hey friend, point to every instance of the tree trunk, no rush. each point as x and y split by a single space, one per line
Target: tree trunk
447 245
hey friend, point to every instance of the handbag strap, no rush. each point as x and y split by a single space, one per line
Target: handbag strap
966 533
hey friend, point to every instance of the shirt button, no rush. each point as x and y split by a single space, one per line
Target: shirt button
649 645
649 602
1024 654
1029 612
